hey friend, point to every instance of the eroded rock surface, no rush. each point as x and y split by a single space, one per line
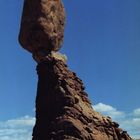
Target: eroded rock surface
42 26
63 110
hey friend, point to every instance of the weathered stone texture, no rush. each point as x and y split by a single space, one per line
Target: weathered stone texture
42 26
63 110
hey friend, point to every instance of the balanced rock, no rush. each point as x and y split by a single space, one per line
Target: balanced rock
63 110
42 26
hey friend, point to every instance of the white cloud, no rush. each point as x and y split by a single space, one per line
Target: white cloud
17 129
132 125
136 112
109 111
128 121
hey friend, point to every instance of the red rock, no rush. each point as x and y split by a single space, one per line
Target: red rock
63 110
42 26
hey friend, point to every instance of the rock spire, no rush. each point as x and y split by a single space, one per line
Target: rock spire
63 110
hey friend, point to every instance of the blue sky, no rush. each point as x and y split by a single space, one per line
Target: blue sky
102 43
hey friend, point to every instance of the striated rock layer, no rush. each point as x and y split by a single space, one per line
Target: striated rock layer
63 110
42 26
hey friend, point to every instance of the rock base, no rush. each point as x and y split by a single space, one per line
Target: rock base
63 110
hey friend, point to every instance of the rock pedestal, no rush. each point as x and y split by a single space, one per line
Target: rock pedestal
63 110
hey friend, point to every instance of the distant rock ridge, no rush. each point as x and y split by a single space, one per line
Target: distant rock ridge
63 110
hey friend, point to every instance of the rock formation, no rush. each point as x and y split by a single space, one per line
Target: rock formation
42 26
63 110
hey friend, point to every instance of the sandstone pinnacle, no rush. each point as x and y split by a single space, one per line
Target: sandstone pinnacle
63 110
